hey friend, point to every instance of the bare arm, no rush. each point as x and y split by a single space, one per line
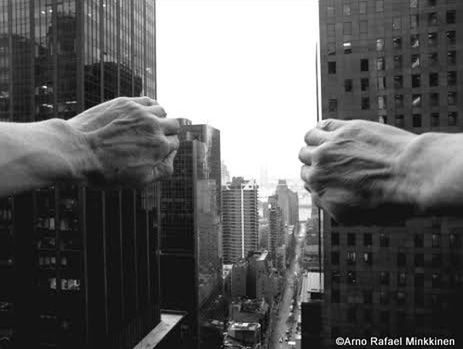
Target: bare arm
359 170
125 142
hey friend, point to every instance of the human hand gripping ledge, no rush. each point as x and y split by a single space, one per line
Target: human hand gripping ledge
124 142
365 172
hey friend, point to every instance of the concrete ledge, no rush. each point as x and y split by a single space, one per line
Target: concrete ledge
152 339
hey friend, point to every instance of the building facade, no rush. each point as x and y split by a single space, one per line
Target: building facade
240 219
79 266
394 62
288 202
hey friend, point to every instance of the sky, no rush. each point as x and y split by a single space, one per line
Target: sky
246 67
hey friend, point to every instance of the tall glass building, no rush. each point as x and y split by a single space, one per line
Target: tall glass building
398 63
79 267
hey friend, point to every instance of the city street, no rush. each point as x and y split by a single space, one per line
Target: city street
283 322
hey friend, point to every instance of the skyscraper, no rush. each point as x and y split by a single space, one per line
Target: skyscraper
240 219
79 266
190 228
276 225
393 62
288 201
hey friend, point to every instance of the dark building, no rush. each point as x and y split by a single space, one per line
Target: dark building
240 219
288 202
190 227
395 62
79 267
276 225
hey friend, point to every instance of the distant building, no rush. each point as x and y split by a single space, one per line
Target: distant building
243 334
240 219
225 173
250 311
239 279
276 225
288 201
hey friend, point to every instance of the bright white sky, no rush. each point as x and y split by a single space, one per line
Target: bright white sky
245 67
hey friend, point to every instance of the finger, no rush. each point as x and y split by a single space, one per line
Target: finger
306 154
173 142
165 168
306 173
170 126
331 124
144 100
316 137
157 110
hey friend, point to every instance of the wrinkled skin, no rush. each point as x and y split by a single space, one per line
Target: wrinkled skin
130 142
353 169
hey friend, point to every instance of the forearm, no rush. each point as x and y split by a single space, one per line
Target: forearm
431 170
38 154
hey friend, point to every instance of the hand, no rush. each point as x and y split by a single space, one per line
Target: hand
354 171
130 143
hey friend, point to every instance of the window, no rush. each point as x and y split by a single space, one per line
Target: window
382 102
368 258
333 105
351 277
364 84
383 298
397 43
335 296
415 61
435 238
400 298
416 80
363 7
414 22
399 101
347 47
383 240
367 297
335 258
335 276
347 28
367 239
451 17
397 62
416 120
432 3
346 10
432 39
402 279
452 98
436 260
396 23
331 30
433 79
380 63
416 100
419 240
365 103
364 65
379 5
432 19
330 11
384 278
415 40
451 78
419 260
334 239
451 37
331 67
435 120
363 27
379 44
348 85
413 3
401 259
436 280
381 83
398 82
351 257
434 100
433 58
351 239
399 121
452 118
419 280
454 240
331 50
451 57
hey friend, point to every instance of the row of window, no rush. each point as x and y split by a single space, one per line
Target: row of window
398 82
367 258
416 102
436 239
432 19
415 42
415 62
378 6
